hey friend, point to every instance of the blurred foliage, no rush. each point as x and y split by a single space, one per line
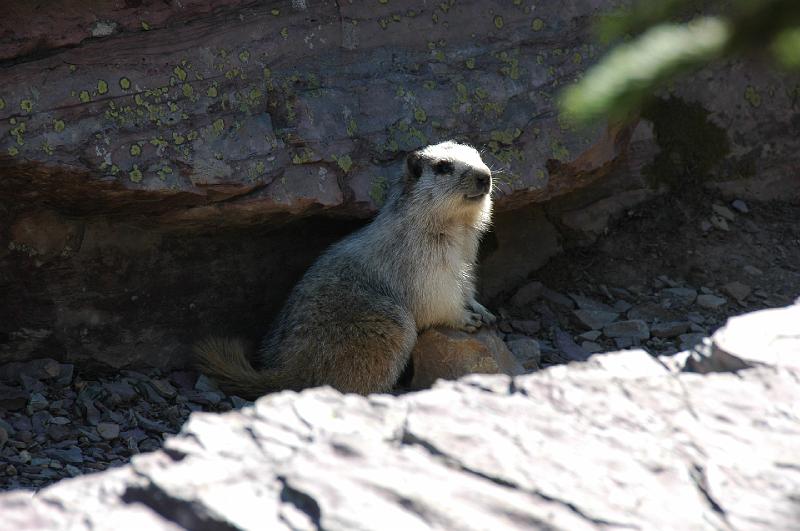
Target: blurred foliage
662 39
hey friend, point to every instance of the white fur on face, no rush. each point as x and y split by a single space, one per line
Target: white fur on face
443 196
460 154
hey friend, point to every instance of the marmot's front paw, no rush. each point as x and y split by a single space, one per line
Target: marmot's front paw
487 316
471 322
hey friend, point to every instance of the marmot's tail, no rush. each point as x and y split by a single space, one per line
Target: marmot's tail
226 361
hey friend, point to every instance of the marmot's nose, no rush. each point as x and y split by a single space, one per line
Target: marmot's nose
483 181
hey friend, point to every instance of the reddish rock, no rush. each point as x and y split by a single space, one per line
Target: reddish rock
443 353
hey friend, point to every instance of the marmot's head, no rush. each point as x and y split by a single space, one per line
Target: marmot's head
450 178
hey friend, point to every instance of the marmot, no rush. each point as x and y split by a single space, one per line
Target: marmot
353 318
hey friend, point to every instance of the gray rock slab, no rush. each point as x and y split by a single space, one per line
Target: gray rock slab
595 319
683 296
711 302
670 329
767 337
587 303
633 329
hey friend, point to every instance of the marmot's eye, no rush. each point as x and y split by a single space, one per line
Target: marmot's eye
443 166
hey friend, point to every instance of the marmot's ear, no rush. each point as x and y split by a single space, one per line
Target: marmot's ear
414 163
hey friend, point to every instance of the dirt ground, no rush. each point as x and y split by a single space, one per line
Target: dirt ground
651 260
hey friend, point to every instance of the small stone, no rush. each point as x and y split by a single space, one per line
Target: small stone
720 223
136 376
681 296
135 434
48 474
705 225
505 327
90 411
621 293
526 351
3 437
90 435
71 455
65 374
557 298
694 327
10 430
595 319
108 430
568 347
605 291
183 379
239 402
11 470
705 290
37 402
753 271
741 206
688 341
150 394
529 327
12 398
723 212
737 290
751 227
208 398
591 335
122 389
633 329
696 318
585 303
31 385
72 470
40 421
527 294
204 383
591 347
668 281
58 432
41 369
711 302
668 330
149 445
164 388
623 342
150 425
61 421
621 306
